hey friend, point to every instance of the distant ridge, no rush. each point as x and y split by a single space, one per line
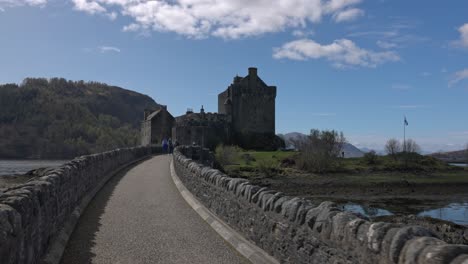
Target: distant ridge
59 119
350 150
451 156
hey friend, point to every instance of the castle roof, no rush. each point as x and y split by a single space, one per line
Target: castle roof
152 115
156 113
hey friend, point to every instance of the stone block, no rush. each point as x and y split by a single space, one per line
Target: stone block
270 203
461 259
254 196
441 254
413 248
290 208
340 222
402 236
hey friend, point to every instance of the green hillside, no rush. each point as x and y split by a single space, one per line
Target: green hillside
58 119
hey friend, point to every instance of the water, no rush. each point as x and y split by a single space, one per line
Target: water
453 212
366 210
11 167
459 164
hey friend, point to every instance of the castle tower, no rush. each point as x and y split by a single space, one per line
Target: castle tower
251 104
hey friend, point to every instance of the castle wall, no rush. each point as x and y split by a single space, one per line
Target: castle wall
146 133
205 136
161 126
222 97
253 109
156 128
203 129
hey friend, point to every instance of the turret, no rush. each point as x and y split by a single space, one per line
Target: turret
253 77
202 112
237 79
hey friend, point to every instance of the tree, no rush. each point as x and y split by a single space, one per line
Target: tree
320 150
392 147
411 146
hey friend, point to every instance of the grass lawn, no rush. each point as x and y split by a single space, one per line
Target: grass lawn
355 171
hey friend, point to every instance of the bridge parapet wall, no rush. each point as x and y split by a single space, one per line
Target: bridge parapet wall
293 230
32 214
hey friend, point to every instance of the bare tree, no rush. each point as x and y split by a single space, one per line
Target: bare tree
411 146
392 147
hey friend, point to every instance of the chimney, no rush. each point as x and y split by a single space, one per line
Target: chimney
252 78
253 71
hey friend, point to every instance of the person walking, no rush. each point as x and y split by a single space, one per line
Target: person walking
164 145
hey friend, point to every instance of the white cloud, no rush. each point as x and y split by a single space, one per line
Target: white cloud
14 3
458 77
394 35
105 49
302 34
112 15
341 53
386 44
348 15
463 35
90 7
228 19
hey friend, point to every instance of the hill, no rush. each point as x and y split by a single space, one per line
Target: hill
59 119
452 156
350 150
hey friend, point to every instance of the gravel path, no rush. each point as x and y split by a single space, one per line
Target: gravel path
140 217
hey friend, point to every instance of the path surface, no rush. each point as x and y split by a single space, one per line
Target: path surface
140 217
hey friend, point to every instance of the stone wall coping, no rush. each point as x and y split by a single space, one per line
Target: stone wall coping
37 217
355 236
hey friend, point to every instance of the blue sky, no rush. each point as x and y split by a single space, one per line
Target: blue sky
351 65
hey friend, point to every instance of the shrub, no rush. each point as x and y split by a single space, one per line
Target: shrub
266 166
371 157
248 159
226 155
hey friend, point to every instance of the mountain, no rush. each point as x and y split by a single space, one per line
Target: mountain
350 150
452 156
60 119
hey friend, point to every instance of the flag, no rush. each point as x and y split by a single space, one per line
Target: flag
406 121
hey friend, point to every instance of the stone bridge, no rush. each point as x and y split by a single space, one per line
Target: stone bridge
136 205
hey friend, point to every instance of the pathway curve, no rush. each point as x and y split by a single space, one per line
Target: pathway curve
140 217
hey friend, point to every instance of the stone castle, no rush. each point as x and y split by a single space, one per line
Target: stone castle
246 117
